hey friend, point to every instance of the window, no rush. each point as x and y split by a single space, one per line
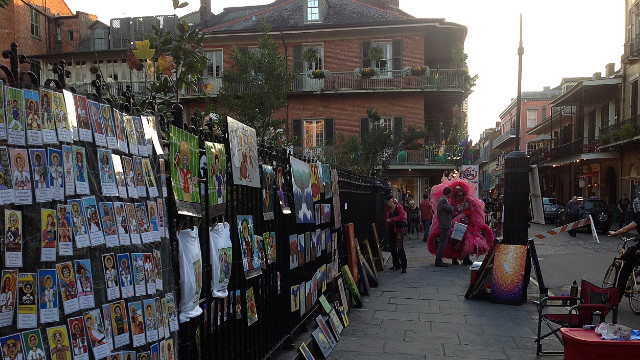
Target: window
319 63
70 35
35 24
99 40
313 133
385 63
214 64
544 112
385 123
532 118
604 116
313 10
58 38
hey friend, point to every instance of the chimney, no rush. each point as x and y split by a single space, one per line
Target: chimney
610 69
597 75
205 11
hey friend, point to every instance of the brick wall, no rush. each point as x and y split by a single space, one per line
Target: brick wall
17 28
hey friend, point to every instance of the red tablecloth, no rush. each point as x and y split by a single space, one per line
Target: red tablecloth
586 344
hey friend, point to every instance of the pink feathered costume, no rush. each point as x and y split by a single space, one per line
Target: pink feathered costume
478 237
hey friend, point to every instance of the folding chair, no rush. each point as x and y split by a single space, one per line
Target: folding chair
592 298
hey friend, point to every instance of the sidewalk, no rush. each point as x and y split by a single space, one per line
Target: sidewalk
423 315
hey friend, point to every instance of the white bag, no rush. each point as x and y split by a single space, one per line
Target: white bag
190 274
220 253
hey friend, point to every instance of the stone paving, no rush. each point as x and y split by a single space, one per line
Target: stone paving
423 315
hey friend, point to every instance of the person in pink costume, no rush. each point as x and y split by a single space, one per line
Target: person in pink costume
469 210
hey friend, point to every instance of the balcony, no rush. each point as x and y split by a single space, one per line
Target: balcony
428 155
573 148
632 49
443 79
511 133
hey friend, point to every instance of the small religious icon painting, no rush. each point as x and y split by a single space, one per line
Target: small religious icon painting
21 177
80 170
111 277
153 220
149 178
12 348
16 116
149 273
79 342
59 343
244 154
250 257
126 276
293 251
33 345
109 228
84 283
143 150
8 295
27 301
136 320
107 173
268 195
109 127
68 169
217 165
252 311
7 195
34 122
150 320
48 121
97 333
129 176
121 223
184 151
93 220
96 122
143 223
13 238
120 324
84 126
118 119
49 231
138 171
40 169
72 114
132 222
119 173
295 298
315 180
131 134
48 295
173 311
139 282
56 175
280 190
270 246
78 223
61 118
64 224
68 287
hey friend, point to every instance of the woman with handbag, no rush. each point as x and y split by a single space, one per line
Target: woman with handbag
396 220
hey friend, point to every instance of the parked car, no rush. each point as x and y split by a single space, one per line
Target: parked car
597 208
551 208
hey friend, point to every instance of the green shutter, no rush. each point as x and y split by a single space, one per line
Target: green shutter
364 126
296 125
297 66
328 131
398 126
366 62
396 50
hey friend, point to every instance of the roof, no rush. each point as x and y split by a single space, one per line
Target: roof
592 91
56 7
547 94
289 15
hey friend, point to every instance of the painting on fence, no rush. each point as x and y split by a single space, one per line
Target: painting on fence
268 197
184 172
302 194
250 257
244 154
281 183
217 164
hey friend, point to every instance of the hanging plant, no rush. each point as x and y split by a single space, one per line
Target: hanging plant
375 54
310 55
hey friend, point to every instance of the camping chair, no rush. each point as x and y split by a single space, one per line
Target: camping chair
592 298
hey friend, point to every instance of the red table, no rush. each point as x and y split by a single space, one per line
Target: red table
586 344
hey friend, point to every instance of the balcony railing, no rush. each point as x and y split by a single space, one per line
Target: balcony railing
429 154
393 79
611 128
504 137
632 48
572 148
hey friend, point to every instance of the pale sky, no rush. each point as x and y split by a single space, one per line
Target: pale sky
561 38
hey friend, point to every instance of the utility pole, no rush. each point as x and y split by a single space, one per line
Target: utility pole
519 97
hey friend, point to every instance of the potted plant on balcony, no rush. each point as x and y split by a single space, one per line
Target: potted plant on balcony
366 72
415 70
310 55
318 74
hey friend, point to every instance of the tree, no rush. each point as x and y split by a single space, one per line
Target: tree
255 85
377 148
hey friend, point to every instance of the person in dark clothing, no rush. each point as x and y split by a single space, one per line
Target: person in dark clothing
623 207
630 257
443 211
573 213
396 219
426 214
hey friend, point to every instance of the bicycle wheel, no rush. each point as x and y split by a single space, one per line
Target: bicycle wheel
610 276
634 291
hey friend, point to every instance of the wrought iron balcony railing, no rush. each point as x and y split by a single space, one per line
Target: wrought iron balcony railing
504 137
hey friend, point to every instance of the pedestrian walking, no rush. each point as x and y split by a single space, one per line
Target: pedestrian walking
426 214
572 213
623 207
414 218
396 219
443 211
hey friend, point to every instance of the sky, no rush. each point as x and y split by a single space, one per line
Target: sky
561 38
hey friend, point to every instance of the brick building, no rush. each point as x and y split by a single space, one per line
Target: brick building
342 32
42 27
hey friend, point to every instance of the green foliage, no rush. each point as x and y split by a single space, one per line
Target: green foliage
626 132
459 57
255 85
4 3
310 55
375 54
376 149
604 139
179 5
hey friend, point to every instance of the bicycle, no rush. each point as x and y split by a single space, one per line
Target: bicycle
632 290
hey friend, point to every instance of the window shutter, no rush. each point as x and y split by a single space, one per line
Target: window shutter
365 123
398 126
328 131
396 50
243 50
297 132
297 66
366 62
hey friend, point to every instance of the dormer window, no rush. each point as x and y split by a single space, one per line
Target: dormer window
313 10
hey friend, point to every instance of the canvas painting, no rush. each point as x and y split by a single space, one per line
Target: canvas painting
295 298
323 342
302 193
84 283
184 172
244 154
34 122
250 257
119 323
507 284
337 218
137 323
217 164
326 181
270 246
316 184
48 121
16 116
293 251
268 195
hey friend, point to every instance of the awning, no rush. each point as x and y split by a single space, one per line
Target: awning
584 92
542 137
586 156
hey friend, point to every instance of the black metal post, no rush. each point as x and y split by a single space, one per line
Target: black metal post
516 176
